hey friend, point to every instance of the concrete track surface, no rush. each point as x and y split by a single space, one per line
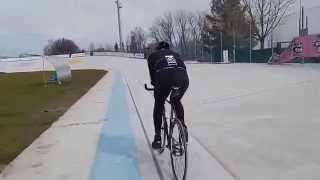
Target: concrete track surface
246 121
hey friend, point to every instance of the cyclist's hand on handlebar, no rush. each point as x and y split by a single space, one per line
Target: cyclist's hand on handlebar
148 88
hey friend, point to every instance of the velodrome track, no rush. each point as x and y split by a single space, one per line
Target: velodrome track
246 121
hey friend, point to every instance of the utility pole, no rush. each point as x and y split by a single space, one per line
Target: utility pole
234 46
250 53
195 50
272 50
119 6
300 18
221 45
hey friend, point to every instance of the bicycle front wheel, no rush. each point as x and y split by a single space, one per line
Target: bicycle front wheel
178 150
164 134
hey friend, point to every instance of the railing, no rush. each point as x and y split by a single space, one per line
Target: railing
120 54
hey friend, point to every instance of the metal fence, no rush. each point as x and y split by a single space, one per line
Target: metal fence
233 50
209 54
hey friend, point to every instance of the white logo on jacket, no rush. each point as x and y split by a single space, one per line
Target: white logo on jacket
171 61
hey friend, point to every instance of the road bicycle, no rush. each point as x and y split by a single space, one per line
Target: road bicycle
174 138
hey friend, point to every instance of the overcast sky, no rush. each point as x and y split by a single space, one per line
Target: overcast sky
27 25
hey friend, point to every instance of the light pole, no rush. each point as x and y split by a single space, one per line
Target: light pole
272 50
221 45
250 56
195 50
119 6
234 46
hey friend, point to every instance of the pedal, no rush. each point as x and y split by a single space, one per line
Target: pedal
161 150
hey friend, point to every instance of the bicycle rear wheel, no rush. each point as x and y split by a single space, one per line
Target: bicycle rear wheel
178 150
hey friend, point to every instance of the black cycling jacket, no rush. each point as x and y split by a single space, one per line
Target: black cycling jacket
164 59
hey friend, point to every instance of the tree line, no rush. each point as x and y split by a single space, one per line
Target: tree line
61 46
68 46
227 20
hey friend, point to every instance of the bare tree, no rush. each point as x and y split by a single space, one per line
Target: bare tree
47 48
197 23
61 46
267 15
141 38
155 32
136 40
216 7
92 47
182 28
166 27
128 43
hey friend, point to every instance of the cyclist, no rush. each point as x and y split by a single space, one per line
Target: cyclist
167 70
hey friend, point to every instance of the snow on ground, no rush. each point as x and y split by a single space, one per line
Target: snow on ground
247 121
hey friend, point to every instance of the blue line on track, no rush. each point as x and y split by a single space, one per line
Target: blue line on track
116 151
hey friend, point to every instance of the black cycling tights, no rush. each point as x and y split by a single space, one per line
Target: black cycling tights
160 95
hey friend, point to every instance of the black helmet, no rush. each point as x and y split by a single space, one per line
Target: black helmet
163 45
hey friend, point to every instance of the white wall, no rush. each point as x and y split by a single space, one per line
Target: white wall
40 57
119 54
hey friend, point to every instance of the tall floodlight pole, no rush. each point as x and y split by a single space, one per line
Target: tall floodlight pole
250 55
272 50
234 46
119 6
300 7
221 45
195 50
43 73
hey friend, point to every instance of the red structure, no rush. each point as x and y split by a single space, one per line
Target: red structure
303 47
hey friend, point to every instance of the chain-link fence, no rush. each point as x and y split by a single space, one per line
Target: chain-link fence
210 54
231 50
234 50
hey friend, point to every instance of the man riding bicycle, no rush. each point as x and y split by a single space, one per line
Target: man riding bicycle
167 70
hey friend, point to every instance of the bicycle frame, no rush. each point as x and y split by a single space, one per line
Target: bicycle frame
165 118
168 128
